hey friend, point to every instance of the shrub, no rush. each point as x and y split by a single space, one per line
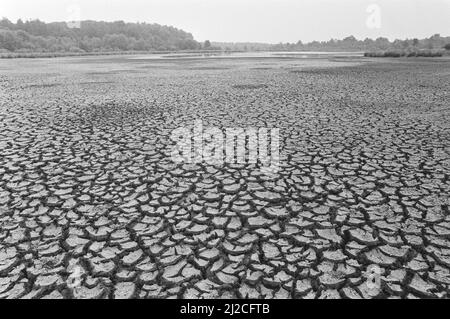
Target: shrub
393 54
429 53
408 53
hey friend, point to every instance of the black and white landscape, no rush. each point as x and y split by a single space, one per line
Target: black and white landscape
93 203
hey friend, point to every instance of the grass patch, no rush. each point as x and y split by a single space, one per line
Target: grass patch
96 82
44 85
250 86
262 68
208 68
405 53
313 71
31 55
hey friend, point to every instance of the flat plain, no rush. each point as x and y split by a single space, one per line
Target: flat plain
91 205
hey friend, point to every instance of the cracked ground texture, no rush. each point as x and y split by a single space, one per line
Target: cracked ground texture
87 184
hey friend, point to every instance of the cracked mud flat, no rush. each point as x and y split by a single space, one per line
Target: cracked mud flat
87 186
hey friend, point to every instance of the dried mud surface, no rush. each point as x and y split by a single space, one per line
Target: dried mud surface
87 184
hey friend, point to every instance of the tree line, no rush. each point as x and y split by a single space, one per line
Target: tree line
92 36
435 42
99 36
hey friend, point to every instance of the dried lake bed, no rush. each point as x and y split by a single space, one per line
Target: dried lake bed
91 205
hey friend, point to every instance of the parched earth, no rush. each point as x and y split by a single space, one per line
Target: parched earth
91 205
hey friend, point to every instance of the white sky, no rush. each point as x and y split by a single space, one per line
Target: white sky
253 20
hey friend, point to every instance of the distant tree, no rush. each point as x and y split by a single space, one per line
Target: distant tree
9 40
207 44
186 44
5 23
350 39
349 43
405 44
447 47
117 41
382 43
92 36
141 45
19 24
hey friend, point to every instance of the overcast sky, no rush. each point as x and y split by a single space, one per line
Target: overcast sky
255 20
